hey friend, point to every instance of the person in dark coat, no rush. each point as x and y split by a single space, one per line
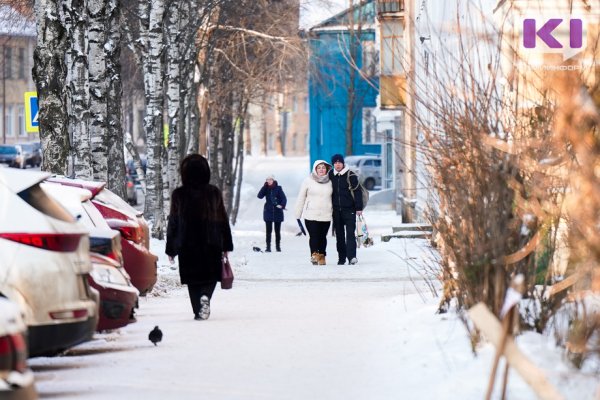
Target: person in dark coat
275 202
198 232
345 209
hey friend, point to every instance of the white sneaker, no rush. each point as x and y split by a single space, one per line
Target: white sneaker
204 307
354 261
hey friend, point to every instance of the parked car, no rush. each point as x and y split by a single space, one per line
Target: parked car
16 379
44 265
139 262
12 155
118 296
368 169
32 154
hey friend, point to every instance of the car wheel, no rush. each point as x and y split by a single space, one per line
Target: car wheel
369 183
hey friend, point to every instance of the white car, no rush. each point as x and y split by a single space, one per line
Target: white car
368 168
16 379
45 265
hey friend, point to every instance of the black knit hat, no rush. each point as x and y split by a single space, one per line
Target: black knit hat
337 158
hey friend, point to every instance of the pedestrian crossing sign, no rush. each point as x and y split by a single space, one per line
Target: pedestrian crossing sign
31 112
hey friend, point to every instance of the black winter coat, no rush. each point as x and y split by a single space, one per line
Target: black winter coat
342 196
198 232
274 196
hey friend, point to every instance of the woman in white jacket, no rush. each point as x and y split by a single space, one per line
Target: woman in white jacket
314 203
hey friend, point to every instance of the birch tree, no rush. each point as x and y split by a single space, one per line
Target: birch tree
75 14
49 74
98 88
151 38
114 127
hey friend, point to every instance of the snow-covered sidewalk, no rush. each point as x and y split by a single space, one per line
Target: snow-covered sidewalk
291 330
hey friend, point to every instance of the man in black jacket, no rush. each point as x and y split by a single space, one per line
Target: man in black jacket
345 209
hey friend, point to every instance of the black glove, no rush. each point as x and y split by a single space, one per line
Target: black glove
266 184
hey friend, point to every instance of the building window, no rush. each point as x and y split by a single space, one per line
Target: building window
8 63
294 104
9 121
306 104
21 121
294 141
21 63
370 60
392 51
369 126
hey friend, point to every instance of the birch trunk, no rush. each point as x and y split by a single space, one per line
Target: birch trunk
265 133
115 151
98 88
75 12
151 26
174 89
49 74
239 163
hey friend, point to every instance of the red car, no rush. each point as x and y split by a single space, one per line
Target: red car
118 297
138 261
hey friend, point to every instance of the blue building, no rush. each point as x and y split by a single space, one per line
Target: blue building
344 50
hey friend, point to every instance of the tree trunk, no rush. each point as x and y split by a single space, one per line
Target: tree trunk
98 88
354 43
116 154
174 89
151 26
49 74
265 134
75 12
239 162
278 124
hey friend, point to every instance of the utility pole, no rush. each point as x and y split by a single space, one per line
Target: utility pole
410 127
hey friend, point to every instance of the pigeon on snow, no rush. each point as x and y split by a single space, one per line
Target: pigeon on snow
155 335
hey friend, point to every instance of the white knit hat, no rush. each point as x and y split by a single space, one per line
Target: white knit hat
270 176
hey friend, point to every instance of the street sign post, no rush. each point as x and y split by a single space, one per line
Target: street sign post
31 112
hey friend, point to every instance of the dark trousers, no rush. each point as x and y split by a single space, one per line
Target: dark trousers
277 233
317 233
344 225
197 290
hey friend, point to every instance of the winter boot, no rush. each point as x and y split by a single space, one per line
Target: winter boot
268 242
314 258
278 245
321 259
204 307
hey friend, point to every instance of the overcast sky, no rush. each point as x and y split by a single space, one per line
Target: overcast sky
314 11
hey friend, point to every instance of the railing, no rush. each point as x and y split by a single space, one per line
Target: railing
390 6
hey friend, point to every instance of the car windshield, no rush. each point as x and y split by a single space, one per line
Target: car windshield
352 162
8 150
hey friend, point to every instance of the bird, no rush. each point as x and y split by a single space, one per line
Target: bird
155 335
257 249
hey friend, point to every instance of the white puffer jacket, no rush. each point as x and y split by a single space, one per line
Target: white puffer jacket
314 199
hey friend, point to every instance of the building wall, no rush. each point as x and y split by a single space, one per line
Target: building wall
16 63
328 93
286 115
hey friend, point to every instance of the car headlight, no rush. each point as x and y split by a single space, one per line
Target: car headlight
108 274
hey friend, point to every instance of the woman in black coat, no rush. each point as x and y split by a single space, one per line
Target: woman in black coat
198 233
275 202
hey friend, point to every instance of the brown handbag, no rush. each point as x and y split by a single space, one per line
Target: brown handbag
226 274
